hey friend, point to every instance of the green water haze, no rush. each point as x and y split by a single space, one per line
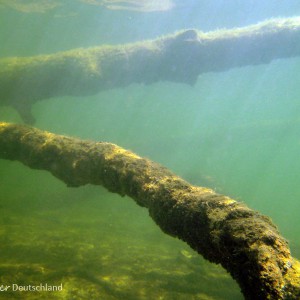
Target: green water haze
237 132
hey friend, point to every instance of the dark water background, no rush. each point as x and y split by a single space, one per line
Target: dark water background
235 131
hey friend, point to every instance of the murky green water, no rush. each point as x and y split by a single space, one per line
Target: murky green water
236 132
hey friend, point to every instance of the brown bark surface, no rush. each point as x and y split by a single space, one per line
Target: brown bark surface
246 243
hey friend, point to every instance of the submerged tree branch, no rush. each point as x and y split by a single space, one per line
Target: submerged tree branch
246 243
180 57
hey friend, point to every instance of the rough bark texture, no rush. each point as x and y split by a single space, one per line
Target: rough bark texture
180 57
244 242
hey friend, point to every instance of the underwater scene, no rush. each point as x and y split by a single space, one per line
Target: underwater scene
232 125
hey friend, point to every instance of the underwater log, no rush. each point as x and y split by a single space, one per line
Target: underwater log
179 57
224 231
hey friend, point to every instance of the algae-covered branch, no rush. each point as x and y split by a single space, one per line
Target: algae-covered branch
180 57
224 231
